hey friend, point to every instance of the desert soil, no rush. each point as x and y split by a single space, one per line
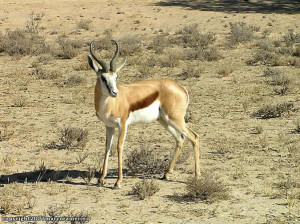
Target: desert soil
257 159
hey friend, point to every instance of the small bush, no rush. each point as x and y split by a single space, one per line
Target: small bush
84 24
203 53
296 50
33 22
208 187
267 58
19 42
225 71
145 188
241 33
273 111
82 65
291 38
73 137
170 59
74 80
191 71
281 90
275 77
42 73
105 41
6 206
258 130
144 161
268 72
189 36
278 80
20 102
130 45
68 47
88 175
286 50
266 45
159 43
5 133
297 128
211 54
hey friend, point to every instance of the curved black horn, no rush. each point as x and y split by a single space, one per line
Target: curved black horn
113 60
101 62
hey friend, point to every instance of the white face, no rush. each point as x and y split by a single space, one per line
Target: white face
109 83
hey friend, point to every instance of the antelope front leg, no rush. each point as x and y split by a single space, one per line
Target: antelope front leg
109 139
121 140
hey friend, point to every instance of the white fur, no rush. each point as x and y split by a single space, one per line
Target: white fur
105 117
188 97
145 115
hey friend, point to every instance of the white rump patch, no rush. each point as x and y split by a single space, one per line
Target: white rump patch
145 115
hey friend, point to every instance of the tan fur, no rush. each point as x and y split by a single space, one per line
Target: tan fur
141 94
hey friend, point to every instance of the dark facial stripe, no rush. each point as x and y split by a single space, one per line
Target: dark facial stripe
144 102
105 82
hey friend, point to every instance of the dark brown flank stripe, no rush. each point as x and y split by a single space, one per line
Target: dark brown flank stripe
144 102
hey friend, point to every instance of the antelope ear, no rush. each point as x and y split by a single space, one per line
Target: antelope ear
121 64
92 64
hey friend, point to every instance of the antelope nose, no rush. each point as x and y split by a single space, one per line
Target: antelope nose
114 93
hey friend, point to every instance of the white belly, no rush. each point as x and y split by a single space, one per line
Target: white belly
145 115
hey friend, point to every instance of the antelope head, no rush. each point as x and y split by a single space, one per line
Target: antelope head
107 75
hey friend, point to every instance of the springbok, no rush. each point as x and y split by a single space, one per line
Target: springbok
143 101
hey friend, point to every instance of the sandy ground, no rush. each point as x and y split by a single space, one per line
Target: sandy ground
261 170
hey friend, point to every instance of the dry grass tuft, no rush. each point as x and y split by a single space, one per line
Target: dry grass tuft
297 128
43 73
273 111
279 80
70 137
170 59
145 188
269 71
131 45
5 133
191 71
145 161
208 187
159 43
88 175
33 22
73 137
241 33
84 24
291 38
68 48
74 80
83 65
190 36
104 43
5 206
203 53
19 42
225 70
281 90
